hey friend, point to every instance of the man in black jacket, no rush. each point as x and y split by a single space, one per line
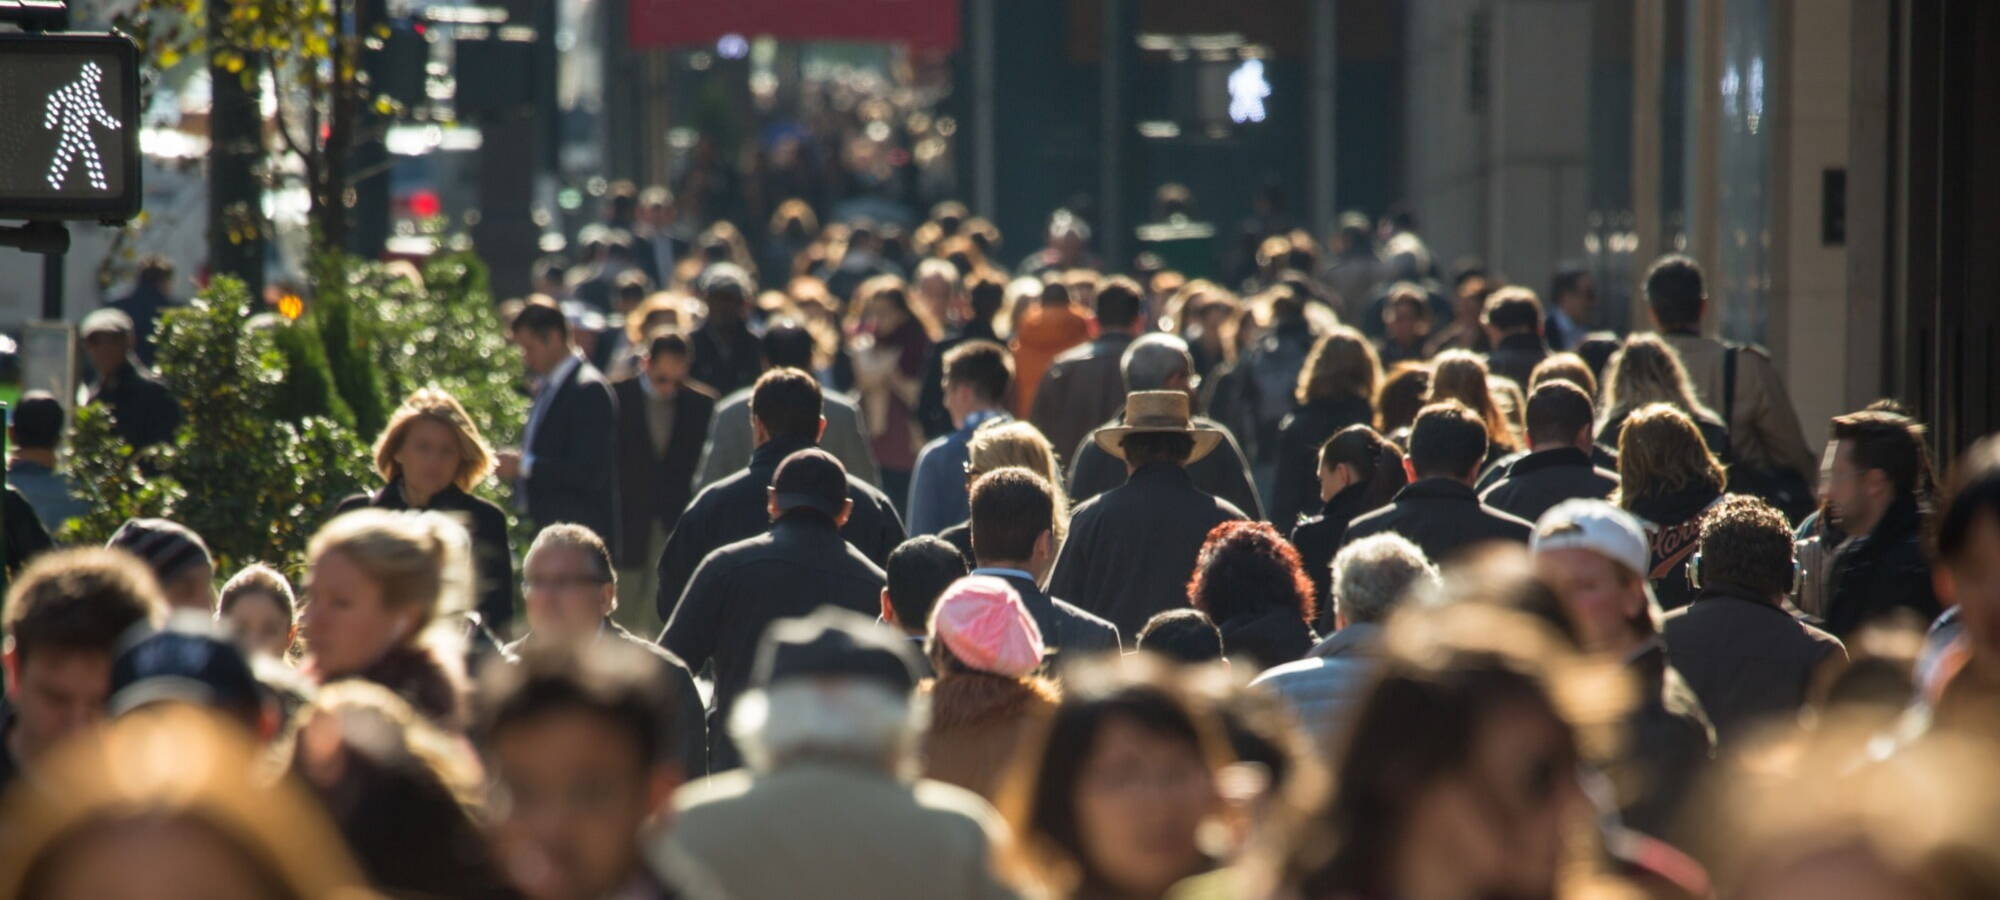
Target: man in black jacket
796 567
1560 467
565 466
143 410
1085 386
1513 320
1878 490
1439 512
1130 550
662 424
1013 537
1161 362
784 419
726 356
571 593
1746 657
985 293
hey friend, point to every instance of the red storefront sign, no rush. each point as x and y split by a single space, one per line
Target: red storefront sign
925 24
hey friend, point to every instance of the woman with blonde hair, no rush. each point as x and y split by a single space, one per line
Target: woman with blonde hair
1667 476
1648 370
1003 445
1336 388
431 457
387 595
1461 375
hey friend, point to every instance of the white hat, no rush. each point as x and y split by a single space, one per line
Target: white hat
1596 526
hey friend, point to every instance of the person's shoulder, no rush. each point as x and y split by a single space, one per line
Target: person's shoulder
861 568
949 801
1505 521
1291 671
738 399
930 449
858 491
353 502
1079 614
705 797
482 510
1372 521
698 395
665 656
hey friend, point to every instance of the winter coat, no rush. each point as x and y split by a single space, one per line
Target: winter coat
1746 659
1130 551
1534 483
1880 571
1044 334
1442 516
1676 533
1295 478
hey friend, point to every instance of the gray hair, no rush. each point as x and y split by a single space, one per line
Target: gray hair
855 720
1151 361
1372 575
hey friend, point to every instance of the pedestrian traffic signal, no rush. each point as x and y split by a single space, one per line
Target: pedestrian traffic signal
69 127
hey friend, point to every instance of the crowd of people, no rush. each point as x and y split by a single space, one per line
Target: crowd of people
866 566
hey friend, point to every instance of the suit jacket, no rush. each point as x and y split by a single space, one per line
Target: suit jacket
1080 390
1066 628
655 485
575 476
1442 516
725 358
728 448
683 698
737 508
1224 472
492 555
1130 551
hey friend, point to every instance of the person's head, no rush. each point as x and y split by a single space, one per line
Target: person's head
1746 545
1512 310
65 614
918 570
1660 452
1248 568
1458 775
431 443
1447 441
1559 415
1573 291
986 292
1371 577
726 289
578 739
1013 520
1646 370
377 581
542 332
668 358
170 803
1157 429
833 686
1120 300
1184 635
1595 557
1157 362
810 484
1122 780
156 272
1462 376
785 404
980 625
1342 364
1406 318
1358 455
656 206
1564 366
178 557
37 423
1069 236
1403 393
976 375
1675 293
1968 546
1878 458
630 290
787 345
262 614
107 340
568 585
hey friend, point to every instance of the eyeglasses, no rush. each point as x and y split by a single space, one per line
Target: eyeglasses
562 582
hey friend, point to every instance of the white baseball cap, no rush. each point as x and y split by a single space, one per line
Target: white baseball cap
1596 526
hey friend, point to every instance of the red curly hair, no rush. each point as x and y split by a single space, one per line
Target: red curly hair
1246 568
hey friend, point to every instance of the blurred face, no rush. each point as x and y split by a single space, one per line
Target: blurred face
1852 873
154 860
1500 823
1402 323
55 692
565 596
1856 496
1581 297
193 588
666 371
429 457
347 623
571 795
106 352
1138 804
1600 597
541 352
1471 295
259 622
1973 582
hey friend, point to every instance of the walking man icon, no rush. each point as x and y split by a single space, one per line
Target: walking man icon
73 108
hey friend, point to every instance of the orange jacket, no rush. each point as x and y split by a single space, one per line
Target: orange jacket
1045 332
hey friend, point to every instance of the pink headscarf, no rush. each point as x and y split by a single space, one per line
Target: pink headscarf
983 622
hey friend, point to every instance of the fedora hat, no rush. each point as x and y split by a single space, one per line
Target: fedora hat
1157 412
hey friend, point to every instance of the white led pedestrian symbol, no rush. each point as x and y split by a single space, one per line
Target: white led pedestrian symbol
1247 90
74 107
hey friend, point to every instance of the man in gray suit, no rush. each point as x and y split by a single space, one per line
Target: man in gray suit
784 344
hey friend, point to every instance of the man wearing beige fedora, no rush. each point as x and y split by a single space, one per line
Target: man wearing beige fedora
1130 550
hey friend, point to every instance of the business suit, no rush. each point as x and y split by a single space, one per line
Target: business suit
569 470
728 449
655 483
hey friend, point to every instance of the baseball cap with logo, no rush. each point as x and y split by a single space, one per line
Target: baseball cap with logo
1596 526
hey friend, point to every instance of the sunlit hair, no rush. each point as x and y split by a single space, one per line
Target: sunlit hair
1461 375
257 578
475 459
661 310
1374 574
1341 364
1512 403
1647 370
850 719
1563 366
1402 396
1660 451
420 560
893 290
179 766
1019 445
1245 568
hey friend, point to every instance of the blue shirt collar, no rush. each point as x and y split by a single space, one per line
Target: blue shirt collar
979 417
1003 573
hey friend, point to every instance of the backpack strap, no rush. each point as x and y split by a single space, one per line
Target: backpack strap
1729 385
